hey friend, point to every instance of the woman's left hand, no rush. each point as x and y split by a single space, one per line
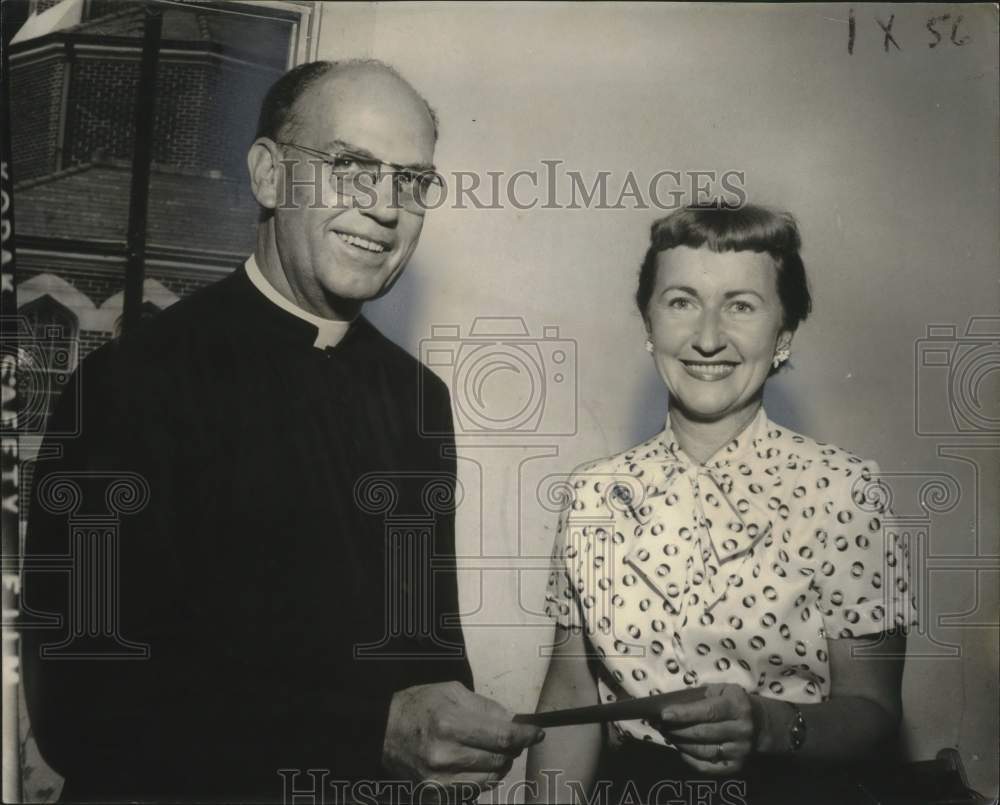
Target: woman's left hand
716 734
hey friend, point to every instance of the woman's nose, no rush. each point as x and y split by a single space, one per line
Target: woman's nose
709 338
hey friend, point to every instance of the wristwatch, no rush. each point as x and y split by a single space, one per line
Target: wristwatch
797 732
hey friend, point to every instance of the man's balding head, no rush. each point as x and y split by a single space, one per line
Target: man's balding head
279 113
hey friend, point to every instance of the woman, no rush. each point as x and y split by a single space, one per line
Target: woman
727 554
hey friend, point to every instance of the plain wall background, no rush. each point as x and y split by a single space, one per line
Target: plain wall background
889 161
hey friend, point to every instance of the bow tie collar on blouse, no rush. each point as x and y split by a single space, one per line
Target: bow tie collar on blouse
698 523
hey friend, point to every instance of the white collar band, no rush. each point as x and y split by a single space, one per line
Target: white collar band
329 332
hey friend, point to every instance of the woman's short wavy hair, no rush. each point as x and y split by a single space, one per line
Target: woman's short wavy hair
749 228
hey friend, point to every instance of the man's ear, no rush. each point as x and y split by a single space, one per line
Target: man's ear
262 162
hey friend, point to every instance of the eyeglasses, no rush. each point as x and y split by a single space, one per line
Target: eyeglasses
356 175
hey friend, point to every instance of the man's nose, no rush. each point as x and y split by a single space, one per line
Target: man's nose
384 207
709 338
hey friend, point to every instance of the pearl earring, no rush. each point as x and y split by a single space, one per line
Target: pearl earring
781 356
649 346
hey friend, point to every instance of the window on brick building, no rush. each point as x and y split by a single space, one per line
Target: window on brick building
48 359
210 83
74 107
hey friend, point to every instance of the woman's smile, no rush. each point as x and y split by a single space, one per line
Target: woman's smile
709 371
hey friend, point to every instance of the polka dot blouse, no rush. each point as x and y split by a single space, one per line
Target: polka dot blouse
738 570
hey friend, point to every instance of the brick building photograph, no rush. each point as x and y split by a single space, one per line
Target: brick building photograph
74 89
73 93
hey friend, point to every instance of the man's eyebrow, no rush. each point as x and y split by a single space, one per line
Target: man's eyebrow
343 145
361 151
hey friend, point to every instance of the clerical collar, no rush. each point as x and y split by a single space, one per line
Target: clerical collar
328 332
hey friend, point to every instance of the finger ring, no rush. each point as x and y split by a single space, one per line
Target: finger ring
718 754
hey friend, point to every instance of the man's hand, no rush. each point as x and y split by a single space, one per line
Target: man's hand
447 734
715 735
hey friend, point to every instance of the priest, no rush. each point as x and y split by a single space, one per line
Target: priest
280 576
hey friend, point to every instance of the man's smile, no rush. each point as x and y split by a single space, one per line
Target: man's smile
359 242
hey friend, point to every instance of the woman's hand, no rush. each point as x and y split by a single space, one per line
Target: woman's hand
717 734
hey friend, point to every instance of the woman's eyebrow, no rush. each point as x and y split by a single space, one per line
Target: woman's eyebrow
731 294
727 295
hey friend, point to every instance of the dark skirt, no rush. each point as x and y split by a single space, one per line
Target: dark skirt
643 772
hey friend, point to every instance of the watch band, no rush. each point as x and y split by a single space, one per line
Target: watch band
797 732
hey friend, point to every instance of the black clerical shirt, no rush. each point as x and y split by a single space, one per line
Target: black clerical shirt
292 567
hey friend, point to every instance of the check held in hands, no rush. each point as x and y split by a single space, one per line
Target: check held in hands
447 734
715 734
